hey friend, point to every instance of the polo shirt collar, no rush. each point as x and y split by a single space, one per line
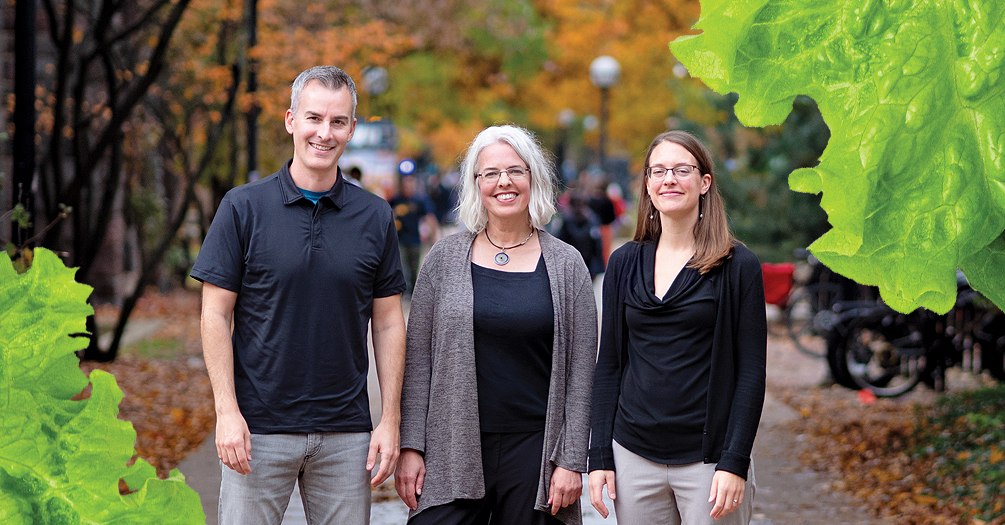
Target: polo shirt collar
292 194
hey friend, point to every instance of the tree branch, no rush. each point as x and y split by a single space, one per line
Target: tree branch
168 238
139 24
140 87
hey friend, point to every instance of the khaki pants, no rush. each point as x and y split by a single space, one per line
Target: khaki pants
656 494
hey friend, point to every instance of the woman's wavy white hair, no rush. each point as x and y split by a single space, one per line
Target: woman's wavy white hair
472 211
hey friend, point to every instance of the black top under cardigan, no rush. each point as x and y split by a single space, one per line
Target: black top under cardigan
737 376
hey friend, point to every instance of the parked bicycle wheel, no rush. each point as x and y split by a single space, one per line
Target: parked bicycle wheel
808 317
884 353
836 343
993 347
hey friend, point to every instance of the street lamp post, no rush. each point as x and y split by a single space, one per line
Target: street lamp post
565 119
605 71
375 82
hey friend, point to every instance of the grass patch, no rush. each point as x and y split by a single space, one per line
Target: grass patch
965 436
155 348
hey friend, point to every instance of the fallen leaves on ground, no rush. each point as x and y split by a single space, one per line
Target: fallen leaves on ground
168 401
170 404
871 450
915 463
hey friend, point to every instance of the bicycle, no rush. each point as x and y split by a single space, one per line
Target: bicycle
807 305
874 347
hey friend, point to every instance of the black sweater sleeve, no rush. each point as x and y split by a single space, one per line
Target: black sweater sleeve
749 339
611 360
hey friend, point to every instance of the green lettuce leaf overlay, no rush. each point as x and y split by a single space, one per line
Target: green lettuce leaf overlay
61 460
913 178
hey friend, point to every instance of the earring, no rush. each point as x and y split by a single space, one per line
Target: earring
651 215
700 215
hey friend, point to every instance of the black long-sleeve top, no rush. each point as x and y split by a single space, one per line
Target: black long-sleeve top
737 369
669 359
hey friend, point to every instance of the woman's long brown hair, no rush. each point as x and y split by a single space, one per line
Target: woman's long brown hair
712 238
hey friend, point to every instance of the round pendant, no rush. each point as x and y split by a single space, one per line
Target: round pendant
502 258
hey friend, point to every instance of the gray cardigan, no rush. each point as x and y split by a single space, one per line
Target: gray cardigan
439 400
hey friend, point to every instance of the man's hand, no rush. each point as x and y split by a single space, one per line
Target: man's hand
384 441
597 480
408 477
727 493
566 488
233 442
387 329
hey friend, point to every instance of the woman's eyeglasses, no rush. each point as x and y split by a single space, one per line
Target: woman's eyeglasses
493 175
660 173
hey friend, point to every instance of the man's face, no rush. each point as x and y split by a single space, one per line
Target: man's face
321 128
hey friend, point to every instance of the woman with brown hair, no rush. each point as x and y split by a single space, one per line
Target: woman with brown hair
679 383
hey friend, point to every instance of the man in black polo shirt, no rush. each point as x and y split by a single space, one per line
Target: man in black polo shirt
298 263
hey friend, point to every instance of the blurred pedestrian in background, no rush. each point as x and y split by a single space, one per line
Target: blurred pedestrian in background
501 349
414 219
354 176
444 199
581 229
595 191
680 374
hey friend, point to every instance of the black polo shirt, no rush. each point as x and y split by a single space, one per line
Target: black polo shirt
305 276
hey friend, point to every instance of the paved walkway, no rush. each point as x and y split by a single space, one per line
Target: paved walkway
787 493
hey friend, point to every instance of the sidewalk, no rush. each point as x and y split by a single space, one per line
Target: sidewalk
787 493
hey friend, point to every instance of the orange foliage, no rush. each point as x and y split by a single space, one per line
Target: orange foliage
446 81
636 33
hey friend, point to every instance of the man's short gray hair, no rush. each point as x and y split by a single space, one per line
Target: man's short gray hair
330 77
472 211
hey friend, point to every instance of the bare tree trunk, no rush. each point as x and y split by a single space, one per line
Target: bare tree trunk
168 237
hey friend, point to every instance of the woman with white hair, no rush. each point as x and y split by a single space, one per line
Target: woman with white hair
500 353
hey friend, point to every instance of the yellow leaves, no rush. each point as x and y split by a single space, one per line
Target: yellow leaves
636 34
963 455
996 456
923 499
885 476
178 415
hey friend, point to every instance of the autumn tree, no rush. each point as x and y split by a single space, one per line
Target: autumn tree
171 145
295 37
100 60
